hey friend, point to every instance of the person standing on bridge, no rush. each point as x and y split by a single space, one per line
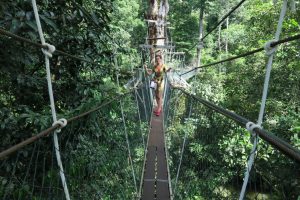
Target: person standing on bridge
159 71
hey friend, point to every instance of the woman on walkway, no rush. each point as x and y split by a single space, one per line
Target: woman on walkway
159 71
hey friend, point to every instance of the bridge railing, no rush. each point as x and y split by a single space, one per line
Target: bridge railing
208 153
94 151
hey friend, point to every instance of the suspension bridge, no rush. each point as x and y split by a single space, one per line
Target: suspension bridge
149 178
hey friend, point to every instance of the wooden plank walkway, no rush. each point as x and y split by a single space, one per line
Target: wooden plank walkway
156 180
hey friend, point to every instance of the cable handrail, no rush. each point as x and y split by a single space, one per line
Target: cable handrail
47 131
273 44
39 45
269 137
222 20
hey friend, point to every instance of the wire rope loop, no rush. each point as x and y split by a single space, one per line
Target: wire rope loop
61 122
250 126
270 50
48 52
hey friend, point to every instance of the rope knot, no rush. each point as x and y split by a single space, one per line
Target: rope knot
61 122
270 50
48 52
250 126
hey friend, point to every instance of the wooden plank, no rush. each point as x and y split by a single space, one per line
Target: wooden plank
161 38
155 183
147 46
151 20
149 174
150 163
156 133
176 53
160 141
148 191
156 21
162 191
162 172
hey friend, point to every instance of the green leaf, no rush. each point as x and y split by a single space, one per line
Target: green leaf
49 22
32 25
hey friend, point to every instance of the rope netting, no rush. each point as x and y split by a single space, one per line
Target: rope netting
207 156
215 151
94 153
209 151
89 156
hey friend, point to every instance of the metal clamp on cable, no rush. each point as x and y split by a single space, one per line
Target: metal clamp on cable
270 50
200 45
250 126
61 122
48 52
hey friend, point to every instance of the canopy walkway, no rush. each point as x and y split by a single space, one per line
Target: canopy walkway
156 177
145 171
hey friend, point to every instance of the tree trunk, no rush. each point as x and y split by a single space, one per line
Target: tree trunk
219 38
226 39
158 10
200 36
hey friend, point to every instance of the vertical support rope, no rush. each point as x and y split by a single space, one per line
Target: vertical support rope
172 119
264 98
142 99
182 151
29 166
145 150
139 114
125 129
6 191
48 54
148 95
167 110
128 147
166 91
166 102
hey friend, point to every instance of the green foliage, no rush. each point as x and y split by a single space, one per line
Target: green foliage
217 149
94 150
91 29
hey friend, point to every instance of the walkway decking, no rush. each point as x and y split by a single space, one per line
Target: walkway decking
155 181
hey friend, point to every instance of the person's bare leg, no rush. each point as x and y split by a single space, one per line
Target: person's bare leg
159 101
160 92
158 96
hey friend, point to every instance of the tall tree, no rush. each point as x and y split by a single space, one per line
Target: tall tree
157 13
202 7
